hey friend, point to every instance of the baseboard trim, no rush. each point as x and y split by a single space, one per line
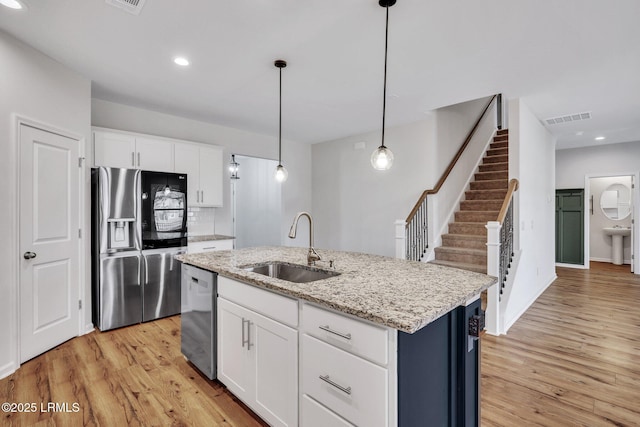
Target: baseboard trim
8 369
579 266
609 260
88 329
510 323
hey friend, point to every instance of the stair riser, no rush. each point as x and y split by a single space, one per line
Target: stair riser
464 243
502 132
472 216
501 144
473 229
489 185
497 152
485 195
484 176
494 167
495 159
480 205
458 257
500 137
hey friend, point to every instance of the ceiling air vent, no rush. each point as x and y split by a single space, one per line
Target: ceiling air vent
132 6
568 118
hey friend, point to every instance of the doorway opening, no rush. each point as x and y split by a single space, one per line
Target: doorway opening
257 203
611 219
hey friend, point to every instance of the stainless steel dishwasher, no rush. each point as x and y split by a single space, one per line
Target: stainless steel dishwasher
198 318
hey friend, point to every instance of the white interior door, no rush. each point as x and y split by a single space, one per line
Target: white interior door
49 249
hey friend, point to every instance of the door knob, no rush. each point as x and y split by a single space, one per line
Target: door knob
29 255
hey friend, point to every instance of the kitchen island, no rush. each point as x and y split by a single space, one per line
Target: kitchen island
380 342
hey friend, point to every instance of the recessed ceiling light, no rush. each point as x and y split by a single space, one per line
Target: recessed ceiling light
12 4
180 60
600 138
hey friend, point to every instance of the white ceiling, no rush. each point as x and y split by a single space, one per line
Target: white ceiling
561 56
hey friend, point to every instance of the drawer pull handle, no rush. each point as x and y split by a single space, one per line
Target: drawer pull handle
331 331
209 247
329 381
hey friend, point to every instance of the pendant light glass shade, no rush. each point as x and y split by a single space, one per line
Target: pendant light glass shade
233 167
281 174
382 158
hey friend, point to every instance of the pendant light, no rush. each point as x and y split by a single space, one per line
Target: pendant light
382 158
233 167
281 173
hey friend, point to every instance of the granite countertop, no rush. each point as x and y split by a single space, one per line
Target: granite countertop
400 294
208 237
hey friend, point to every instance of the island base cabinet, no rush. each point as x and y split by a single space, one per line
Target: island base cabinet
438 372
258 362
352 387
314 414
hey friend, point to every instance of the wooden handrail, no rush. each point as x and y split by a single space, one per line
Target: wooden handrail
513 186
453 162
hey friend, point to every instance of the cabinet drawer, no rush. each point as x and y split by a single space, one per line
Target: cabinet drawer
348 385
315 415
354 336
209 245
278 307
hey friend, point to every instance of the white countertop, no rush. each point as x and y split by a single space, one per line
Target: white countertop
404 295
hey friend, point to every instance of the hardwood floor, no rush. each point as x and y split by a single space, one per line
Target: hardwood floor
572 360
134 376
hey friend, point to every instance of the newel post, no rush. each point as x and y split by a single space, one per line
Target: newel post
401 239
492 315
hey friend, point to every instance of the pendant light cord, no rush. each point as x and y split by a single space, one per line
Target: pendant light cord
384 89
280 123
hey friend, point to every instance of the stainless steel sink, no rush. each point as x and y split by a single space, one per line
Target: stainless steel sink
290 272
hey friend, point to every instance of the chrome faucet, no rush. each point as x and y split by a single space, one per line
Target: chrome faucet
312 255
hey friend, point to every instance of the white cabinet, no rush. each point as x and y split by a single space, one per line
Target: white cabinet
203 166
345 370
257 355
122 150
209 246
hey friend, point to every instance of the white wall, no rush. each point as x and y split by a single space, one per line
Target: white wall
599 242
604 160
532 162
356 206
36 87
296 157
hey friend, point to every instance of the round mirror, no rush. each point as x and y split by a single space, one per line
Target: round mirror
615 201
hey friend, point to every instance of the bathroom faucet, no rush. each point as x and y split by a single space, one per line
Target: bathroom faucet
312 255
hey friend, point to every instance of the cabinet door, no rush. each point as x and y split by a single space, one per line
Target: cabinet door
235 369
187 160
276 371
211 176
154 155
114 150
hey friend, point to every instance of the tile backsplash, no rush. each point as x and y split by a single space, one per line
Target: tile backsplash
201 221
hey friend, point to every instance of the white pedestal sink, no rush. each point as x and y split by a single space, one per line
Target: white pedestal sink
617 234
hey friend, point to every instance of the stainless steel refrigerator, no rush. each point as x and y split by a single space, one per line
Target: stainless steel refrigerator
136 233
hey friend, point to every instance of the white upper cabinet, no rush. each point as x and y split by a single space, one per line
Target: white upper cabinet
202 163
154 154
203 166
121 150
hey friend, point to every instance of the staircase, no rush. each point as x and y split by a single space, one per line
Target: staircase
465 245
